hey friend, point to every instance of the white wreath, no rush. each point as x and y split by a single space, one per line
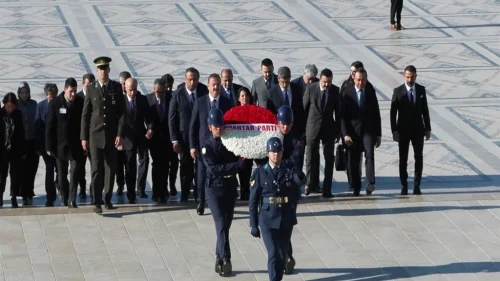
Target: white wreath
248 144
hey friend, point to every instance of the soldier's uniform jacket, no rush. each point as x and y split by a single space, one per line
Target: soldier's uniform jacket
104 114
264 186
292 149
221 169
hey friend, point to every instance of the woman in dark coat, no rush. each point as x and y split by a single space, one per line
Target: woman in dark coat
244 97
11 150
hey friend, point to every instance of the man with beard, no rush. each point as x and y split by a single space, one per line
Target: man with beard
413 123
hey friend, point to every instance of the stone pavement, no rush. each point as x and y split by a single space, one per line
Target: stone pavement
450 233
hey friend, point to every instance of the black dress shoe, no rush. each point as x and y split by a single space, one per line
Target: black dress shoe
328 195
163 200
370 189
97 209
132 201
290 265
72 205
143 195
404 190
49 204
173 192
356 193
200 210
218 266
154 198
119 191
65 203
25 202
417 191
227 268
307 191
109 206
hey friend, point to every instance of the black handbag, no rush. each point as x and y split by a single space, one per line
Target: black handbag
340 157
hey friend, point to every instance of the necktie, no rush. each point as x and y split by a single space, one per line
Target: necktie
285 98
268 84
192 99
103 88
323 99
70 104
161 110
229 95
412 99
361 99
214 104
132 108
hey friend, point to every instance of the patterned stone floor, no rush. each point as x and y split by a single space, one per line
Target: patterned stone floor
450 233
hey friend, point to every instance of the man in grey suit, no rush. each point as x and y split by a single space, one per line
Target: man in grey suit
261 85
102 128
322 108
228 87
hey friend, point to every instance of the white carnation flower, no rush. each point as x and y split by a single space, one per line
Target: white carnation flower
248 144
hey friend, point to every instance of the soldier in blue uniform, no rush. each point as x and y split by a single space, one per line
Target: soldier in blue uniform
274 193
221 169
293 150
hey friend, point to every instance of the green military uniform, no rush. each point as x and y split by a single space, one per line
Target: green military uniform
103 119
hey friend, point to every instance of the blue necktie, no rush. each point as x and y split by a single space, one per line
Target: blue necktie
285 98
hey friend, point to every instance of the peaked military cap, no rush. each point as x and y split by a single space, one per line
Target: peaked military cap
102 61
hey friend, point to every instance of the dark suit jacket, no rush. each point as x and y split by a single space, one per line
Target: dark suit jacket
259 90
41 113
179 115
104 114
18 137
234 92
412 120
160 126
63 128
198 129
321 120
299 81
275 101
81 94
201 88
138 125
357 121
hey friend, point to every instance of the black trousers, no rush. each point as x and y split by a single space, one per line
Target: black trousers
173 168
396 8
50 177
29 164
143 159
68 188
201 175
418 147
244 175
127 163
222 209
83 181
313 161
354 152
9 165
103 164
160 168
186 173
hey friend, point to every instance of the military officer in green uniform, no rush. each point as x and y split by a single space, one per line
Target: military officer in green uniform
103 120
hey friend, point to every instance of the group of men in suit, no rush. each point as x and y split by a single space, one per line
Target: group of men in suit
117 124
326 114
